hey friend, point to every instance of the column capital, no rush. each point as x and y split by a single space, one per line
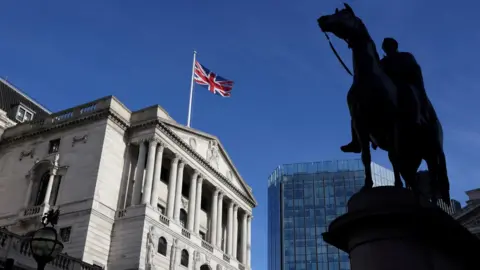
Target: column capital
235 207
151 139
152 143
176 158
53 170
231 204
200 179
161 146
220 194
216 193
181 163
195 174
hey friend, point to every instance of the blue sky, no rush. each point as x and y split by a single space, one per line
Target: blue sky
289 100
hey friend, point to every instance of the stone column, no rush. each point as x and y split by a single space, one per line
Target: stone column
249 239
178 191
191 201
230 228
137 188
125 177
219 220
214 216
157 174
172 183
244 239
147 188
235 231
198 202
29 192
48 192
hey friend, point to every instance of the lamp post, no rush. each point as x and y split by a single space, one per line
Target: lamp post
44 243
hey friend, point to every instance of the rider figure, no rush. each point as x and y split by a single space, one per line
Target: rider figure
403 70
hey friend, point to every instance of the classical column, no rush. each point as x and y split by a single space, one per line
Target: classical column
244 239
125 177
191 201
147 188
48 192
178 191
29 192
157 174
249 239
172 183
137 188
230 228
235 231
198 202
219 220
214 216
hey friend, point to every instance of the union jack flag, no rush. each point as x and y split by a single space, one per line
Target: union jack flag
214 83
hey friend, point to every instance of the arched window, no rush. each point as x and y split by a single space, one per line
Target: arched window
162 246
183 218
41 189
184 260
205 267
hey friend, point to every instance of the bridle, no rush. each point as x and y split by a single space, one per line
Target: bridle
338 56
335 51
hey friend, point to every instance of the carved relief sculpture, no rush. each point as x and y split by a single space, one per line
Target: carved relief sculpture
193 143
27 153
79 139
150 249
212 154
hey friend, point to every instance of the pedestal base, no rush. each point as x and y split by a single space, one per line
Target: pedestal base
387 229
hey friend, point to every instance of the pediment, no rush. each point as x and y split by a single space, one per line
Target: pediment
210 148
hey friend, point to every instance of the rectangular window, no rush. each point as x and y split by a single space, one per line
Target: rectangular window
161 209
54 146
203 235
65 234
23 114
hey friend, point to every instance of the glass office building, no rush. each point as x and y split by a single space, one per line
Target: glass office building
302 201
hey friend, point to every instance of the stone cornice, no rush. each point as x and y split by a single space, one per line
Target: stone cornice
167 131
42 129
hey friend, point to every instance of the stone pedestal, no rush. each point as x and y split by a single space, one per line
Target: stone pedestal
387 229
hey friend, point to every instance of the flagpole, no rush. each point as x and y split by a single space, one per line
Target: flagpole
191 89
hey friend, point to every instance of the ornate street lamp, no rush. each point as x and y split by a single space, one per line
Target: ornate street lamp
44 243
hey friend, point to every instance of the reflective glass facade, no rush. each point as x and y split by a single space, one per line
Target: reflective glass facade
302 201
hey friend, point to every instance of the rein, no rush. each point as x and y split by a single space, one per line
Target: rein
338 56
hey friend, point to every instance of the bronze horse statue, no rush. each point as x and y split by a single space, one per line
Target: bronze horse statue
384 113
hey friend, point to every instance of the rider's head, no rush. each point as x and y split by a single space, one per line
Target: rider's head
390 46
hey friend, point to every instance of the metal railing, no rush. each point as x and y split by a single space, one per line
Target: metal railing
207 246
185 233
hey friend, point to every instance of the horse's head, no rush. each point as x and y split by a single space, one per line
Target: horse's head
343 23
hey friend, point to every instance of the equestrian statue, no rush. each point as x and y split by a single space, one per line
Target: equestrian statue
389 107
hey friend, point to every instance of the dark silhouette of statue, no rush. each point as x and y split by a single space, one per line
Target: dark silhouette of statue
405 73
389 107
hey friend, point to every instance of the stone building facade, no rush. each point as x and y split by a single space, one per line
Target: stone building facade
136 190
469 216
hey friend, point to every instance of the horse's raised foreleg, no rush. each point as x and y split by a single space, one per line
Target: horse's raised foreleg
364 139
